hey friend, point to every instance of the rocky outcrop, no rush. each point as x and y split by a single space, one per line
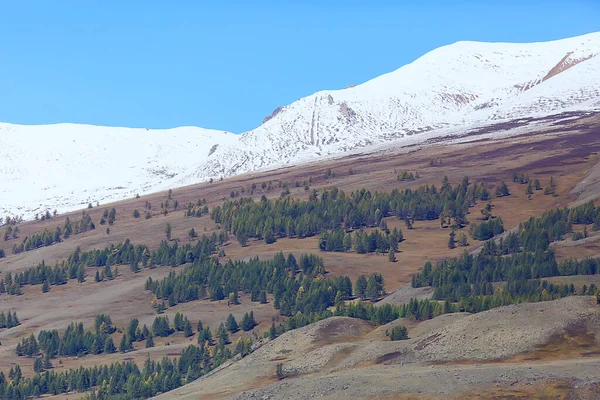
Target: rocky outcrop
273 114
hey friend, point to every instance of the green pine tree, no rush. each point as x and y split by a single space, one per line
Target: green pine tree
150 341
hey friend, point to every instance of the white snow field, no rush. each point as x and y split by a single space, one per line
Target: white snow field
464 85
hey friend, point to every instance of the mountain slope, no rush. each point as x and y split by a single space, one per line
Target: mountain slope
463 84
453 88
65 166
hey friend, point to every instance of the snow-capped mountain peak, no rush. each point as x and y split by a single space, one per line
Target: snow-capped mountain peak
465 84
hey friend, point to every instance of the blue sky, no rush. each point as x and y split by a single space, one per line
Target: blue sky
227 64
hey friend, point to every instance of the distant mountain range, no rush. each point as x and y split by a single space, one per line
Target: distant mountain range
464 85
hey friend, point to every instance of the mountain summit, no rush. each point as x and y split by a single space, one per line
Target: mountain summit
465 85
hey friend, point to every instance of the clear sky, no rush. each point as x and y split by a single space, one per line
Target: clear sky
227 64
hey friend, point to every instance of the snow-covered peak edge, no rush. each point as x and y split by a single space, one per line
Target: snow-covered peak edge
465 84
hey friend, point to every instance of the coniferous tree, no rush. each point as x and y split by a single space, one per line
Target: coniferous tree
81 274
112 216
109 346
168 231
255 293
361 287
451 240
37 365
550 188
12 320
488 229
150 341
263 297
160 327
502 190
232 325
132 329
529 190
145 332
46 363
178 322
399 333
462 240
374 287
222 335
205 336
187 328
125 344
234 297
392 256
248 321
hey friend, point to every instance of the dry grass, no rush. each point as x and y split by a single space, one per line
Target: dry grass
545 389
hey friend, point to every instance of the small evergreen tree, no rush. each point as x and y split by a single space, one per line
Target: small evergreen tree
360 288
232 325
529 191
187 328
399 333
462 240
374 287
248 321
502 190
125 344
451 240
262 299
222 335
168 231
109 346
38 365
234 298
392 256
150 341
81 274
46 363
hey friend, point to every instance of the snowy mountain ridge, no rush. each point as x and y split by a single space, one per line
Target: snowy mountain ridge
461 86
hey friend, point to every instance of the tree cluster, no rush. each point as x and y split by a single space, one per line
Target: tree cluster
288 217
9 320
49 237
118 380
487 229
362 242
405 175
296 285
519 259
398 333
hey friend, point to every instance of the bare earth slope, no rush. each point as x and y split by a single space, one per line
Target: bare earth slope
346 358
